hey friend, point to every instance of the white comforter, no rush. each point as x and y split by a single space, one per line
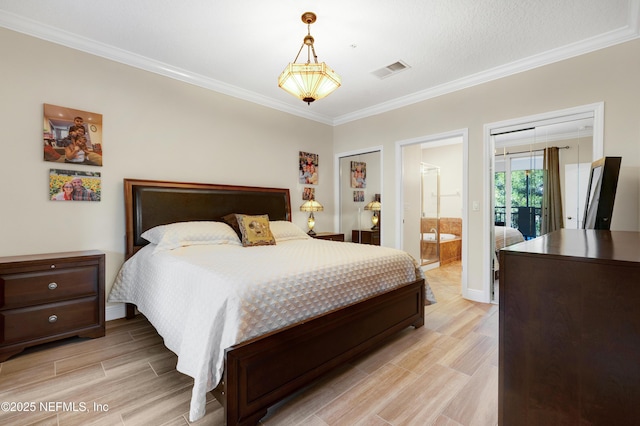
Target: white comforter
203 299
506 236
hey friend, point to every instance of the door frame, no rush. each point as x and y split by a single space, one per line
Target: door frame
399 202
597 109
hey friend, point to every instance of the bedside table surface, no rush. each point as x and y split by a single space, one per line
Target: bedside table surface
334 236
72 255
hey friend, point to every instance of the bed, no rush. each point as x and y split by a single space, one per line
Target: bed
269 365
504 236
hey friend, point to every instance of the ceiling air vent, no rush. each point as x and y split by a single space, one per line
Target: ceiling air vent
394 68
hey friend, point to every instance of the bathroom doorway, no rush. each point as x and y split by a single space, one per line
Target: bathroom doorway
430 215
433 176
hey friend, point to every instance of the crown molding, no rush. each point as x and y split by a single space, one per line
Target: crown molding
67 39
73 41
622 35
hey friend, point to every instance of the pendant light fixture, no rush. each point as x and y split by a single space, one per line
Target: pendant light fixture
309 81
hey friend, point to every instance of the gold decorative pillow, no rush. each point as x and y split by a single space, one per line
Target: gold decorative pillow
255 230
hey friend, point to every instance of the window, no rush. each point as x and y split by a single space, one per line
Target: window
520 176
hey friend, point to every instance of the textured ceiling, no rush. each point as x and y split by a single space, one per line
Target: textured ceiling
240 47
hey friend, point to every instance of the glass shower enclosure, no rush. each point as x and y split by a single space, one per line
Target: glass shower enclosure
430 217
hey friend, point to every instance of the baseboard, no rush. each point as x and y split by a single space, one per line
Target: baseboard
475 295
431 266
113 312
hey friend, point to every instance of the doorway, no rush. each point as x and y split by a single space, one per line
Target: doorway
577 132
424 199
518 190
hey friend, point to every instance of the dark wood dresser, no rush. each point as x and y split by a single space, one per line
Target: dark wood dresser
48 297
569 339
366 236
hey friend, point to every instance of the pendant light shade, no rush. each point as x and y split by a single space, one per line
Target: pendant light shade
309 81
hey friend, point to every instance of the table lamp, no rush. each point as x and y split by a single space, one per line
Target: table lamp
374 206
311 206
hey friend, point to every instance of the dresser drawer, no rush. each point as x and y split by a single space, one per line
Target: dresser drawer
47 320
26 289
50 296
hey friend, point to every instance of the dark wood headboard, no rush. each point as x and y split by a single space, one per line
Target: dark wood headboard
150 203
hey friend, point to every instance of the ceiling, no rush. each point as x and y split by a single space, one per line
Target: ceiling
240 47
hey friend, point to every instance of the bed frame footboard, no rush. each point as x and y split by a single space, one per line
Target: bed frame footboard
265 370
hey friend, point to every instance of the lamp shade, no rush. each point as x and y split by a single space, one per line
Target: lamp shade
374 206
311 206
309 82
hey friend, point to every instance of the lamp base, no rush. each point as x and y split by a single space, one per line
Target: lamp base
375 220
311 232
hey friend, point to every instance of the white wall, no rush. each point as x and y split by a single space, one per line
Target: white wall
154 128
610 75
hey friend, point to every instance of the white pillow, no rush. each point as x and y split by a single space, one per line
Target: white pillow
284 230
180 234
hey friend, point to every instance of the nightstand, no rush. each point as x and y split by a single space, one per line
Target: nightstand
47 297
329 236
366 236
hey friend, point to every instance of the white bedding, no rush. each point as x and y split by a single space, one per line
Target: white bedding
205 298
505 236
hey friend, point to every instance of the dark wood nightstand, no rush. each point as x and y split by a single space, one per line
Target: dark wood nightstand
47 297
329 236
366 236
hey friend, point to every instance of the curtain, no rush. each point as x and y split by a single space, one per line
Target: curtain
552 199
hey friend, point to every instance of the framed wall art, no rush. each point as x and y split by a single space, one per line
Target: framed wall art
308 168
308 193
358 174
72 136
73 185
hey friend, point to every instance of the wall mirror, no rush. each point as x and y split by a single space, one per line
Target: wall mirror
360 200
539 176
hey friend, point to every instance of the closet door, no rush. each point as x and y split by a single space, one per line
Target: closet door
360 183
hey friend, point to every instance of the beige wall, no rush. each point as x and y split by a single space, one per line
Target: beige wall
158 128
610 75
154 128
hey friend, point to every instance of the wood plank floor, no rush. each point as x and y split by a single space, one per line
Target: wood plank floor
443 374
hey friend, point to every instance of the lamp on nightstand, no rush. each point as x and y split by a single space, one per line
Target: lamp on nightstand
374 206
311 206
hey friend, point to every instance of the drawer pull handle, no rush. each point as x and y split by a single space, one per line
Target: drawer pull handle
53 318
52 286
